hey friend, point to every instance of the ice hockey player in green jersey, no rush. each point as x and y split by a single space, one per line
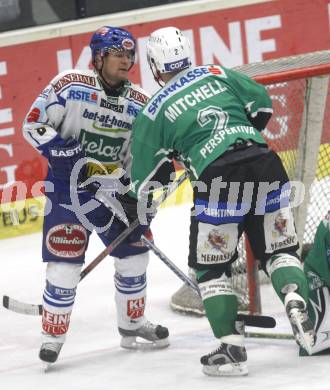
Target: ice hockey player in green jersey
317 270
210 119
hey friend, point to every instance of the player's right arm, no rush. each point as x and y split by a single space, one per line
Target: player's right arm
42 123
41 128
255 99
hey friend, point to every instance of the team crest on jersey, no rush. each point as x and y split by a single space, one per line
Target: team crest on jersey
218 240
281 224
66 240
216 245
279 230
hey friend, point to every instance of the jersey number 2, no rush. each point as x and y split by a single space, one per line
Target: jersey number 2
215 114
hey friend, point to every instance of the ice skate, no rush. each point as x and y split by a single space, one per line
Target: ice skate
50 349
49 352
302 326
147 337
226 360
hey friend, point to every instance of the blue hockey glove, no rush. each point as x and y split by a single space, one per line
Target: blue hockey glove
63 157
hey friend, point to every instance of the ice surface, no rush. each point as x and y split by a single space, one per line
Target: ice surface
92 359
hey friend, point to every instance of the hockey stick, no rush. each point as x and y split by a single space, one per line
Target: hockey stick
249 320
276 336
33 309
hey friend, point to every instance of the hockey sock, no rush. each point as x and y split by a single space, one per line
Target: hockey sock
58 298
287 275
131 285
221 311
220 304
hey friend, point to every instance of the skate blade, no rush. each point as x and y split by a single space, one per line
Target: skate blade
145 345
46 367
187 310
305 340
230 369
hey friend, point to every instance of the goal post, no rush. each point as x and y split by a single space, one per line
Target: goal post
299 131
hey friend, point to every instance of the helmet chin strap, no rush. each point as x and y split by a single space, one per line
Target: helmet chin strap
156 74
159 79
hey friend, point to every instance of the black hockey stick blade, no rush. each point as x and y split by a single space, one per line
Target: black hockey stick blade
275 336
257 320
21 307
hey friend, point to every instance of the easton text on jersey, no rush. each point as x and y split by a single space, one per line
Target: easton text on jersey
220 135
204 92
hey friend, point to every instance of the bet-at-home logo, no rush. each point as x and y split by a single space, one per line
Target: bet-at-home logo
101 147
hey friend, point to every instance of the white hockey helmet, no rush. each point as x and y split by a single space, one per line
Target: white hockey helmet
168 50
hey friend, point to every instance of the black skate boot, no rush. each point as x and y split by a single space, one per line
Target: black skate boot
50 348
49 352
301 324
153 337
226 360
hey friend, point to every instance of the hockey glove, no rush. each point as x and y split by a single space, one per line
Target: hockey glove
134 210
62 158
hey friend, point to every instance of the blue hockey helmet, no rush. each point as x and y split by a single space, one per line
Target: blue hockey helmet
107 39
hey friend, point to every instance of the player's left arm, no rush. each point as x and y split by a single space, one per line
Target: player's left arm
255 98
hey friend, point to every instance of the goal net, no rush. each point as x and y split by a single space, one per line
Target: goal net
300 132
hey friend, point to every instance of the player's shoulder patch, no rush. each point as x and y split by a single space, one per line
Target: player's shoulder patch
73 76
137 94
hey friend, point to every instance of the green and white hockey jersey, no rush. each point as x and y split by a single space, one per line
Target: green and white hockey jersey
317 263
195 118
317 271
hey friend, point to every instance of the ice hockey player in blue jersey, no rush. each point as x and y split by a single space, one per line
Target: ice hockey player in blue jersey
90 114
